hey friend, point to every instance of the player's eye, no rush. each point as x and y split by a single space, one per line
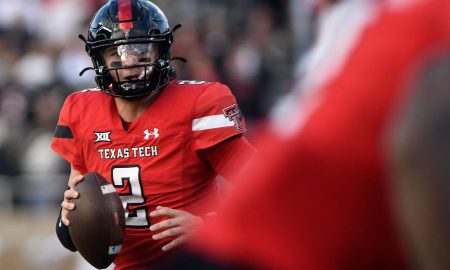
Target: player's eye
144 59
116 64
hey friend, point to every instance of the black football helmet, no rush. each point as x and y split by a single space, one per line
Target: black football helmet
129 43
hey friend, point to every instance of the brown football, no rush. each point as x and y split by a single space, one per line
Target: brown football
97 224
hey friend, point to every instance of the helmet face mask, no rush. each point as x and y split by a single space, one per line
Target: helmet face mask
133 68
130 54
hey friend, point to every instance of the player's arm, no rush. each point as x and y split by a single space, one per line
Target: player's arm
229 157
218 129
62 230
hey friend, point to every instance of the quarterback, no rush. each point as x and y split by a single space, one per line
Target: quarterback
161 142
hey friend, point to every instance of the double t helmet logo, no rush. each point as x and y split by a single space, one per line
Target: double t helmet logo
233 113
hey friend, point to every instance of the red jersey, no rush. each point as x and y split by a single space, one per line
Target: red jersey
319 199
154 162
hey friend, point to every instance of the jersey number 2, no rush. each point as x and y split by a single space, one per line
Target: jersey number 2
135 216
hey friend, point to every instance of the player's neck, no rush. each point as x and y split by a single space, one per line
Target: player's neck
129 110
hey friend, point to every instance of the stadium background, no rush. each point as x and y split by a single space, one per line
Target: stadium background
251 45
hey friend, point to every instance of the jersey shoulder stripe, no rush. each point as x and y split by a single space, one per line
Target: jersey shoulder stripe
211 122
90 90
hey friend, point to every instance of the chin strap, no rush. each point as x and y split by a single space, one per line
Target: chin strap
80 36
85 69
178 59
176 27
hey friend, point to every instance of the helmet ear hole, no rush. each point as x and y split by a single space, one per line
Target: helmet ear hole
154 32
103 34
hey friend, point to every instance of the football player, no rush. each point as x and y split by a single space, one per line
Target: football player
161 142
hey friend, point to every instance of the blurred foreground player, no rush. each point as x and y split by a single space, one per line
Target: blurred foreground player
161 142
421 153
319 196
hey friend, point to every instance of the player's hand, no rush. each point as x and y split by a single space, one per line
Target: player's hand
70 194
178 225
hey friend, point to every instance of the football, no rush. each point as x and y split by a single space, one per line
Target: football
97 224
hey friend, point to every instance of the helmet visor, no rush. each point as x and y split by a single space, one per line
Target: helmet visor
130 55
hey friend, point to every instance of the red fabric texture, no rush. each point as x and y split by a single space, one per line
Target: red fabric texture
229 157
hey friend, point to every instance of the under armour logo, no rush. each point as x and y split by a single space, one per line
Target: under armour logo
148 134
102 136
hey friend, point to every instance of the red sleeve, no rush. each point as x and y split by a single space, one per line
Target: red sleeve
65 141
229 157
216 117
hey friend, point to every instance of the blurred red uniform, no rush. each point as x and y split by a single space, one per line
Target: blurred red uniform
319 198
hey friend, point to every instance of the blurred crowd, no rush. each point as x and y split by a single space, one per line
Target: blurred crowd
246 44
